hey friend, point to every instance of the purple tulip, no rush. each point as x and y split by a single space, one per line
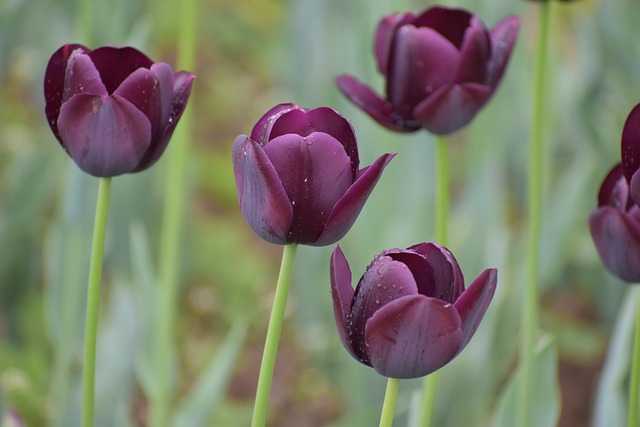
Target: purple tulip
440 67
113 109
615 227
410 314
297 176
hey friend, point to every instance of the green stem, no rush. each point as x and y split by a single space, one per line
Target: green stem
172 223
634 387
273 337
93 302
430 383
530 296
389 405
84 23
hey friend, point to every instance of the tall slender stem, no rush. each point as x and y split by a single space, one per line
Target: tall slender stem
273 337
389 405
93 302
172 230
530 297
634 386
430 383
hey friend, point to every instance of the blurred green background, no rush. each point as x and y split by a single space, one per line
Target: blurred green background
253 54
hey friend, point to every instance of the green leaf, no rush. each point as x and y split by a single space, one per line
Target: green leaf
196 408
545 408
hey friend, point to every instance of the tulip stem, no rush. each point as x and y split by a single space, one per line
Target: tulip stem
430 383
530 295
273 337
93 302
634 386
389 405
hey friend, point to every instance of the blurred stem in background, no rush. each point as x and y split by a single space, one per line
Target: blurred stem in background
274 329
634 386
430 384
389 405
530 297
93 302
173 219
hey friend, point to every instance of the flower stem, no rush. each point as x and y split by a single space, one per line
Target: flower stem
634 387
93 302
430 383
389 405
530 296
173 220
273 337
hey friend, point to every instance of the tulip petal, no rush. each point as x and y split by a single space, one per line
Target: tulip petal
422 60
451 108
347 208
438 275
328 120
384 281
385 33
474 54
617 239
449 22
413 336
342 295
474 301
54 77
315 172
115 64
105 136
82 77
630 146
503 38
263 200
263 127
379 109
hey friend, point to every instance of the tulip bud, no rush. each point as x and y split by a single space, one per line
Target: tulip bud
298 177
410 314
112 109
441 67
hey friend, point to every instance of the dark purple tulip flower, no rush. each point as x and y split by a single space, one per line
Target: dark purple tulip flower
615 227
113 109
440 68
298 176
410 314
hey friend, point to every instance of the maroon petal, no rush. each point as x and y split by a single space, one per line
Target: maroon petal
617 239
422 60
384 38
451 23
315 172
54 77
474 54
630 146
451 108
263 201
474 301
115 64
328 120
262 128
342 295
503 38
442 279
380 110
384 281
105 136
412 337
82 77
346 210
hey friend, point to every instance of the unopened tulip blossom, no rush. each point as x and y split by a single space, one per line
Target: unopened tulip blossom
440 68
113 109
410 313
615 227
298 176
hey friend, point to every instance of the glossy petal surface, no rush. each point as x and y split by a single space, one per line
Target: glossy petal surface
450 22
385 33
342 295
474 54
262 129
412 336
631 144
115 64
474 301
105 136
503 38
